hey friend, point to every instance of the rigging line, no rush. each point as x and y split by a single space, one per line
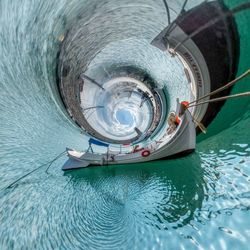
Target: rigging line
223 87
93 111
210 23
106 71
220 99
83 76
168 12
93 107
32 171
173 24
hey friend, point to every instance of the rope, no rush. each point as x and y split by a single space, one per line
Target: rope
34 170
220 99
223 87
200 125
59 156
196 103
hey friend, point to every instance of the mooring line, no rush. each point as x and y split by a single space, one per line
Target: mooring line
220 99
196 102
228 85
34 170
50 164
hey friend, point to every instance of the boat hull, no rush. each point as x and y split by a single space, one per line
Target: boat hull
182 140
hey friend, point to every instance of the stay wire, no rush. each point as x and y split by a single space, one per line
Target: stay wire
34 170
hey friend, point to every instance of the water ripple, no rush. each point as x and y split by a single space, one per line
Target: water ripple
198 202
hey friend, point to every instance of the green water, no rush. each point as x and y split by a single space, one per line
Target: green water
198 202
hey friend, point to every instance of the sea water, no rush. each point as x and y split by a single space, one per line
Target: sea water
201 201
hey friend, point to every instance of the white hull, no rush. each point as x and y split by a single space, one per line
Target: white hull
181 140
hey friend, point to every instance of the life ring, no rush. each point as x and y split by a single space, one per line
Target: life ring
145 153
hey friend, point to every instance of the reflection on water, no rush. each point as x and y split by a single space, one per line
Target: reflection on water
199 200
114 205
165 197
